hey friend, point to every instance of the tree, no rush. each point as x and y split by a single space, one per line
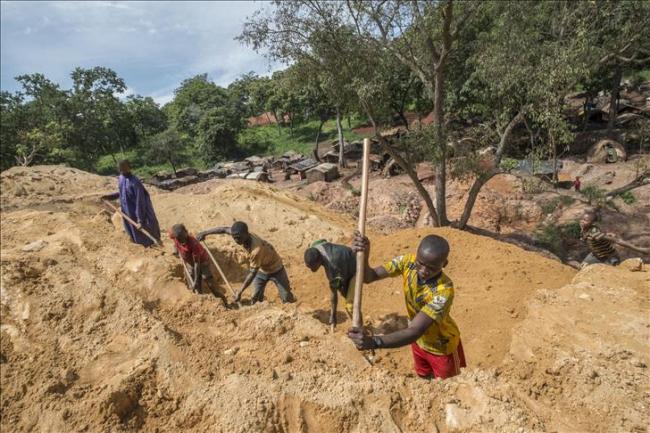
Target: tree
209 116
192 100
146 116
422 35
167 146
315 101
217 134
13 118
100 123
45 143
311 33
618 44
419 34
529 57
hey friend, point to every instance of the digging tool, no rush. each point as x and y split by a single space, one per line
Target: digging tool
223 276
190 281
133 223
632 247
361 260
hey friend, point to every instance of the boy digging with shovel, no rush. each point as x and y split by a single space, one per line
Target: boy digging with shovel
193 254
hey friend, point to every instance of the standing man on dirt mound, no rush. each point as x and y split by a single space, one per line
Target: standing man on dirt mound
432 333
340 265
265 263
136 204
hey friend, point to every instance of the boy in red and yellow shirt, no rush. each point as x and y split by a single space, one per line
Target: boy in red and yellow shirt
193 254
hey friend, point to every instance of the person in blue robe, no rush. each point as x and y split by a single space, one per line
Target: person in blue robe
136 204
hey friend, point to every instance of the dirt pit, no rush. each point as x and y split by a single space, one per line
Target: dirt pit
98 334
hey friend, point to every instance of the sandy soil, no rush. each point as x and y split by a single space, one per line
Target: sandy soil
98 334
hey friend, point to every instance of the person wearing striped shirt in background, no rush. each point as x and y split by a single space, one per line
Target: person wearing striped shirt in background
600 244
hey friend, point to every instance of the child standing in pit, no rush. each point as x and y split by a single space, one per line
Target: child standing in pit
432 333
193 254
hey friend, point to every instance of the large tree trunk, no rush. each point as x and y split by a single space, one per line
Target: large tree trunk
482 179
441 169
320 128
613 102
340 133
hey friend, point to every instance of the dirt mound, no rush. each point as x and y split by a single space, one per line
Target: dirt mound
28 186
394 204
98 334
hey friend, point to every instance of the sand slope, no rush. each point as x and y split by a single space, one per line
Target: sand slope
98 334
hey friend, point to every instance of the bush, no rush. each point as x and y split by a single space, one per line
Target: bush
548 206
532 185
593 194
555 237
508 164
628 197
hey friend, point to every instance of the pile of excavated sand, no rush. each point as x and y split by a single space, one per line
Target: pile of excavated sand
98 334
29 186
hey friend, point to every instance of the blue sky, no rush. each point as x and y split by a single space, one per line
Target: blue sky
153 46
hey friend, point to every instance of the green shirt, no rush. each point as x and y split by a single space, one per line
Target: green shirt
340 264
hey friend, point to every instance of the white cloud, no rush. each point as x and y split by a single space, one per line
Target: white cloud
152 45
164 99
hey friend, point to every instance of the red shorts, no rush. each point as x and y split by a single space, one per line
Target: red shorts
441 366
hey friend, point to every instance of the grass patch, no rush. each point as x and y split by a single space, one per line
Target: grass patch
548 206
140 165
628 197
594 195
271 140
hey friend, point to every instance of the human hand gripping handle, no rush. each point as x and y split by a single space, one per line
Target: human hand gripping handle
361 243
363 341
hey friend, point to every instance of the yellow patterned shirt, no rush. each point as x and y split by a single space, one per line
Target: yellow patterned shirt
433 298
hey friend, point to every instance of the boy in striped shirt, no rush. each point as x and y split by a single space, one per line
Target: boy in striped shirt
600 244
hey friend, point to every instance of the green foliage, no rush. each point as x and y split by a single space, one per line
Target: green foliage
555 237
503 63
594 195
142 165
508 164
549 206
167 147
533 185
268 140
628 197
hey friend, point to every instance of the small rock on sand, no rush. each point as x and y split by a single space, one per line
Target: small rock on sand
35 246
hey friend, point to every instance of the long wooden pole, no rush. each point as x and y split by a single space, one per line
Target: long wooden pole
188 277
361 256
216 265
134 224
